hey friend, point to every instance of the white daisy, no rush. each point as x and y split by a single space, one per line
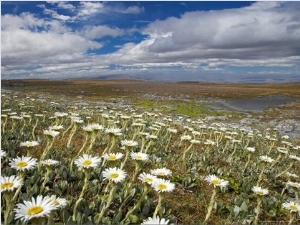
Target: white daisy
87 161
88 128
39 207
114 131
10 183
147 177
155 220
161 172
292 206
112 156
186 137
58 202
129 143
260 191
51 133
217 182
96 126
2 153
139 156
114 174
49 162
29 144
250 149
23 163
293 184
294 157
265 158
162 185
56 127
291 174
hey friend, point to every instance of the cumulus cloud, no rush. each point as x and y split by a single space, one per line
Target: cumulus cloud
262 34
94 32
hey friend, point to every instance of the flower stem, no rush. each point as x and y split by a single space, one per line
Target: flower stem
289 167
157 209
257 211
211 204
109 201
137 205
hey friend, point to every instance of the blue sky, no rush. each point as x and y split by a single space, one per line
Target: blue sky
238 42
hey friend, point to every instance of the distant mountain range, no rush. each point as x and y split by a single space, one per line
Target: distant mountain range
124 77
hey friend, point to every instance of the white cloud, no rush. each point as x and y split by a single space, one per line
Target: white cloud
93 32
263 34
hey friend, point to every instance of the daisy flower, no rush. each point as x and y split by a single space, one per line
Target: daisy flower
147 178
162 185
29 144
139 156
266 159
129 143
260 191
293 184
186 137
112 156
155 220
292 206
217 182
2 153
56 127
250 149
10 183
57 201
96 126
88 128
51 133
87 161
49 162
114 174
23 163
294 157
291 174
114 131
39 207
161 172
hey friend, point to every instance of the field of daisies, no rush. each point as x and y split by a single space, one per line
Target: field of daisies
63 163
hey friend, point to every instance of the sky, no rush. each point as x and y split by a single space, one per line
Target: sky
224 42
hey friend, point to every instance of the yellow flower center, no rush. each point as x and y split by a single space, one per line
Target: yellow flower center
87 162
293 207
259 192
139 157
216 182
35 210
114 175
162 186
22 164
6 185
112 157
148 179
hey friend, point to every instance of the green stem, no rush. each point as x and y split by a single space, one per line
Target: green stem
260 176
257 211
85 186
211 204
157 209
249 156
9 206
289 167
109 201
138 204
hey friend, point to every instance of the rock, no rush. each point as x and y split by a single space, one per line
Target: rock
289 127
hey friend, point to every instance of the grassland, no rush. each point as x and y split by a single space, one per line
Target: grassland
168 122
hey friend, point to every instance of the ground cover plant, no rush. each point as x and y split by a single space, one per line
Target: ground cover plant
65 162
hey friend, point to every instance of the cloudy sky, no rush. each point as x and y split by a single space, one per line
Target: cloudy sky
201 41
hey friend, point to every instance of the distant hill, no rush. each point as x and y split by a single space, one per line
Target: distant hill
123 77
